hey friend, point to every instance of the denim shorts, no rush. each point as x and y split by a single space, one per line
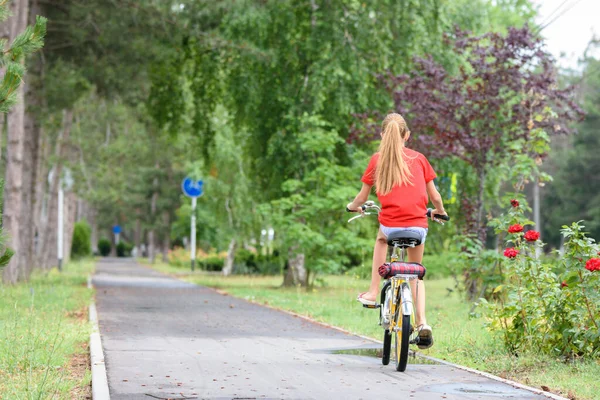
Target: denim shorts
416 229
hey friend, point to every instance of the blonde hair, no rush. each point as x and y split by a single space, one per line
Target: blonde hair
392 168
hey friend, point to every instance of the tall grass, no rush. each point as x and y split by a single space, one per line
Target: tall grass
43 323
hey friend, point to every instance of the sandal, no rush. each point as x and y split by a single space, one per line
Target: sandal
364 301
425 337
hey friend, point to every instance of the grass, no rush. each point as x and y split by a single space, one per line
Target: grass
458 338
44 332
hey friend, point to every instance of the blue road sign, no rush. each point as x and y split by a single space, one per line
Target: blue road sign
192 188
116 229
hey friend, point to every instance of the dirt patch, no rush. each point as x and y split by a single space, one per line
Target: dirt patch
79 367
81 315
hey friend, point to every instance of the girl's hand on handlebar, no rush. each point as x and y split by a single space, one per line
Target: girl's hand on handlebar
438 216
352 208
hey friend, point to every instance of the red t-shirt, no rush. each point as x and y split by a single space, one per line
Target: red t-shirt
405 205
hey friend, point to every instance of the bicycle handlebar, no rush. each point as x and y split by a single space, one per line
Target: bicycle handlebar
370 205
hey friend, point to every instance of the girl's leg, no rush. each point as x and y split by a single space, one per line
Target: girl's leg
415 254
379 255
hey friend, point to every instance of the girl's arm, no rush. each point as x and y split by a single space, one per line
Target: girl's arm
360 198
436 199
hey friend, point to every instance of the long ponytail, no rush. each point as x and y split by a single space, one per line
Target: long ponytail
392 168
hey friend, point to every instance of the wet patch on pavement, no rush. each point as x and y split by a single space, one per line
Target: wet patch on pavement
491 389
377 352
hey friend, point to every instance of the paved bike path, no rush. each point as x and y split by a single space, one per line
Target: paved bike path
167 339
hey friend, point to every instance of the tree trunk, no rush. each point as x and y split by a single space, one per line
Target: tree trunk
94 230
49 250
30 160
40 212
151 254
137 238
296 273
151 243
13 189
479 229
228 266
167 237
70 217
481 232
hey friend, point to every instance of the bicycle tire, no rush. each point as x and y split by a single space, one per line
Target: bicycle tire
387 347
402 339
387 335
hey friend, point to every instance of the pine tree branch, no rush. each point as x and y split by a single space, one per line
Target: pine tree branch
29 41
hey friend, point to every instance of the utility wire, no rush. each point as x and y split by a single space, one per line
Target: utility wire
547 18
559 15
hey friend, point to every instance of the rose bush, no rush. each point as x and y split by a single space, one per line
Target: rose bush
553 307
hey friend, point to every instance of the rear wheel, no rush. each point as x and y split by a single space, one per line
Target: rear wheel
387 347
385 317
402 339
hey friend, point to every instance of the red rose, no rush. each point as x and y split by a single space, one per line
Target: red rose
514 203
593 264
516 228
563 284
532 236
511 252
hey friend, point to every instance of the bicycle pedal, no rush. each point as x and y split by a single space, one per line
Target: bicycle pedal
415 340
372 306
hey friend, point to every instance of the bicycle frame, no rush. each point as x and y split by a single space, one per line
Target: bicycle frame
401 294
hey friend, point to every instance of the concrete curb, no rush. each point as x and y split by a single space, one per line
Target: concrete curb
99 379
471 370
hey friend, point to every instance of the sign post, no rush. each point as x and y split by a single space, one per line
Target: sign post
65 182
193 189
61 227
193 234
117 231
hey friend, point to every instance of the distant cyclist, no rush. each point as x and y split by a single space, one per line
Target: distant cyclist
403 179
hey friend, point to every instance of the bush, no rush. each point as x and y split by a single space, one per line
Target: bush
540 309
212 263
81 245
180 257
104 246
245 259
249 262
124 249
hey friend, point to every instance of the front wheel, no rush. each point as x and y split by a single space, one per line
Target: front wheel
402 339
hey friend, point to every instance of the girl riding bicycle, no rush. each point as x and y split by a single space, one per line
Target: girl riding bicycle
403 179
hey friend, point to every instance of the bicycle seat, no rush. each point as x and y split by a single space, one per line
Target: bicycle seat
404 239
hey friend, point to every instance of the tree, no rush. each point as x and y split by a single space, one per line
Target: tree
308 218
23 40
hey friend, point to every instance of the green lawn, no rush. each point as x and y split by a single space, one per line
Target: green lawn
458 338
44 331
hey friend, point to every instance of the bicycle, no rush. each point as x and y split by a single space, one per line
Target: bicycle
397 316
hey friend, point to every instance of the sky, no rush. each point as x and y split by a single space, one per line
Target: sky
570 33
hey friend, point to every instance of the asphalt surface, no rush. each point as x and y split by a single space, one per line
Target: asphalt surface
167 339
